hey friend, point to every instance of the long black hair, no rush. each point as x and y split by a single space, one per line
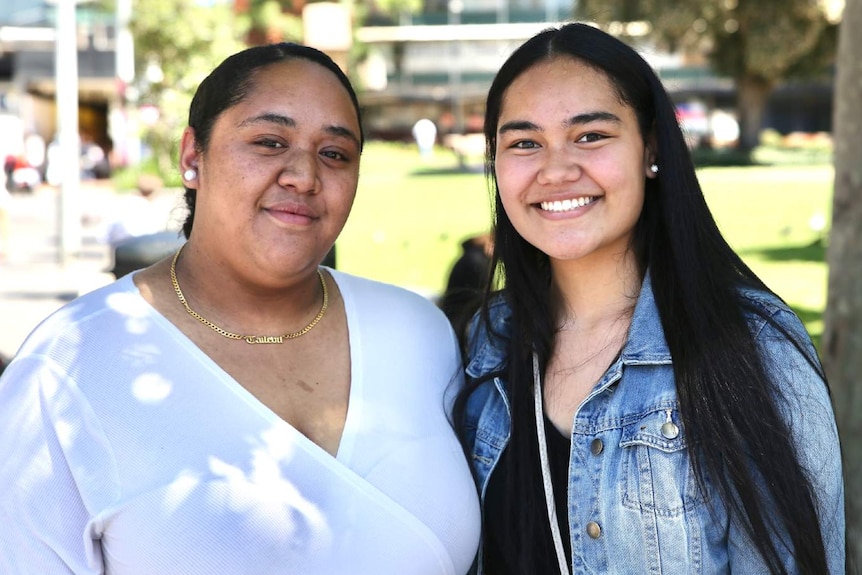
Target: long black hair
229 84
738 438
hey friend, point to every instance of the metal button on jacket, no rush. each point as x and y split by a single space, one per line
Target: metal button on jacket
670 430
594 530
596 446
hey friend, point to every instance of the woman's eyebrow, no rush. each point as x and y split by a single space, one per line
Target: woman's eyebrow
577 120
288 122
518 126
268 118
588 117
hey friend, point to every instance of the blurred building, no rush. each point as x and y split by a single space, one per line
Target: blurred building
27 71
438 63
436 60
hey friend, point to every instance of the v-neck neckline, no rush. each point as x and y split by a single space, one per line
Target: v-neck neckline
347 440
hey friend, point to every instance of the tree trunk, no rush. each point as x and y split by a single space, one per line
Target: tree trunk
752 93
842 334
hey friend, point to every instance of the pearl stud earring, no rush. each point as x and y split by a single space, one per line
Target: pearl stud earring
190 174
654 168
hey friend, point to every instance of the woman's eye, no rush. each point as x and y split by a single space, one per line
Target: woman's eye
268 143
333 155
591 137
525 145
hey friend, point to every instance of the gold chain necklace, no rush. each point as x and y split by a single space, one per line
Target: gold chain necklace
252 339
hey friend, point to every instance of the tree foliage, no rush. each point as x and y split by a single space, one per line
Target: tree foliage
177 43
274 21
757 43
395 8
842 332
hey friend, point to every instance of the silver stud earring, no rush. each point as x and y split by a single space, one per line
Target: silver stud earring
190 174
653 168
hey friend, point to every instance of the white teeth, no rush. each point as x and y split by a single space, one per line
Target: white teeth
566 205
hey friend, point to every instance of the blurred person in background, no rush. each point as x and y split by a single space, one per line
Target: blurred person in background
467 280
35 152
136 214
8 167
237 408
425 134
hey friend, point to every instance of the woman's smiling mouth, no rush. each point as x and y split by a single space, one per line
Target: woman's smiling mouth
567 205
294 213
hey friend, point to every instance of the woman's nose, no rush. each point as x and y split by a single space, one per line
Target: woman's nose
561 165
299 171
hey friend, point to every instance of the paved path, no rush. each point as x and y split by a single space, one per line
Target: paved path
33 282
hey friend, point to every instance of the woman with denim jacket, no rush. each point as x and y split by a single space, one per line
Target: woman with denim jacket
638 401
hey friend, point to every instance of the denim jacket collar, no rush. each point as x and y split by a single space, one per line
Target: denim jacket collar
645 343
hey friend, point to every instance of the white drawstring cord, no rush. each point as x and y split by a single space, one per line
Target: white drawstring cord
546 469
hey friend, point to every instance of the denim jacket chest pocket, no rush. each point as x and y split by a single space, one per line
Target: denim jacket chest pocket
656 470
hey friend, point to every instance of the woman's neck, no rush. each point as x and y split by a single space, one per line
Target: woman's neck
594 292
213 288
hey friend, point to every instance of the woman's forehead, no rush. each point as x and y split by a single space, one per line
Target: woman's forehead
295 89
560 82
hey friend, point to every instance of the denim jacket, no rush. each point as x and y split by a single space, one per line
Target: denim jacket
634 504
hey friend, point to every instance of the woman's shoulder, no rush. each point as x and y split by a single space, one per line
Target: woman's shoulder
487 337
499 317
764 300
766 311
76 319
494 329
364 287
785 344
364 297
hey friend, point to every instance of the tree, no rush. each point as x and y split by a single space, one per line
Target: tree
396 10
842 333
273 20
177 43
757 43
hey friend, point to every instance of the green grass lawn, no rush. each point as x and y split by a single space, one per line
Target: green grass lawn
411 215
766 214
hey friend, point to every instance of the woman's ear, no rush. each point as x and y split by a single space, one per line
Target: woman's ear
189 158
651 165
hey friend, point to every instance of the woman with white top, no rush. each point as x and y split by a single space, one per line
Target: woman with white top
236 408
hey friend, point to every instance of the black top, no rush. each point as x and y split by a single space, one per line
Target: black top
502 536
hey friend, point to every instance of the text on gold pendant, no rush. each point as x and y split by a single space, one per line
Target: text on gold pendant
264 339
